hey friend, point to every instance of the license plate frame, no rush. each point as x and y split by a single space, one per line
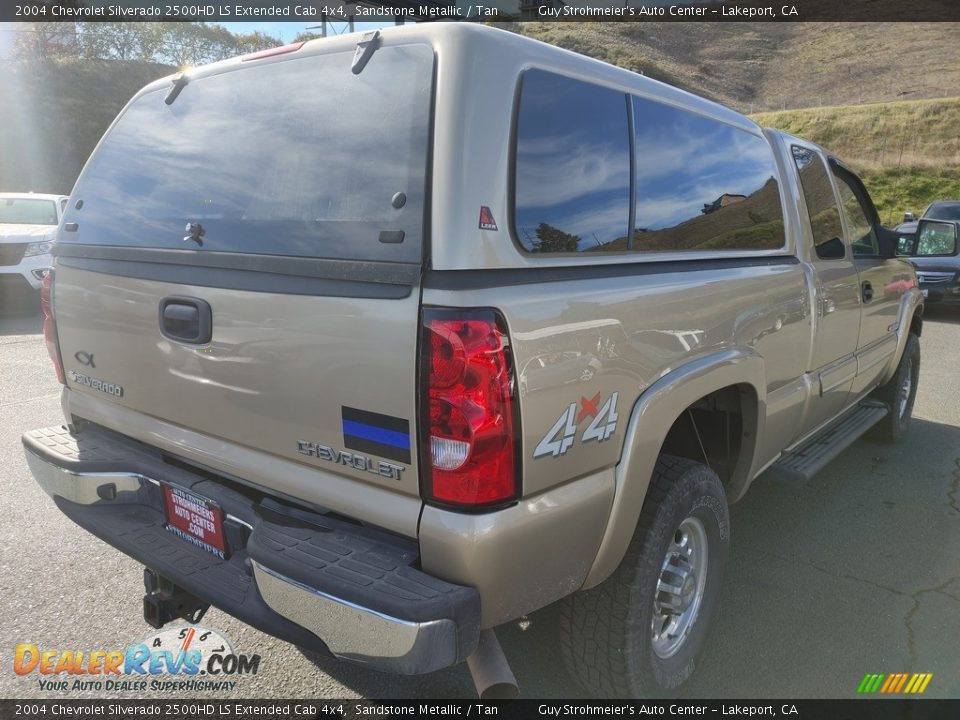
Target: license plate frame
195 519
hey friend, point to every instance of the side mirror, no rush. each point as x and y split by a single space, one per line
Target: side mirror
906 245
909 217
887 241
936 237
832 249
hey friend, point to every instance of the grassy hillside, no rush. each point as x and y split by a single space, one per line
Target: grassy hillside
863 87
907 152
52 114
756 67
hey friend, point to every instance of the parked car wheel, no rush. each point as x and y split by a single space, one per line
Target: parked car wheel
640 632
899 394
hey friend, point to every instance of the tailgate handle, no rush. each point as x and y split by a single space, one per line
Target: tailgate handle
186 319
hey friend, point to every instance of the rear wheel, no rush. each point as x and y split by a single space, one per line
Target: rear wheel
899 394
640 632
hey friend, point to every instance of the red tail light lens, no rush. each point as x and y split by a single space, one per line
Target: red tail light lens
469 445
50 324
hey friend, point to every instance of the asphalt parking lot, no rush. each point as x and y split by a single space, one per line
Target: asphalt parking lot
857 572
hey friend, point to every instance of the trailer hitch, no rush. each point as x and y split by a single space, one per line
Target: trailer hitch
166 601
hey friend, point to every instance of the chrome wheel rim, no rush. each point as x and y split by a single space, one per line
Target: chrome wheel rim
680 588
906 385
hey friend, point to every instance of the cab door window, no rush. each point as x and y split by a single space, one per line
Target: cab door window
862 235
821 204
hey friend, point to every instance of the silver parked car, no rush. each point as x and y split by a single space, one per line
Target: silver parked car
28 226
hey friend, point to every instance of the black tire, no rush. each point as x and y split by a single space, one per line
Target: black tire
899 394
606 632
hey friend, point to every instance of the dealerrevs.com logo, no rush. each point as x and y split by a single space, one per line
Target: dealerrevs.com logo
187 658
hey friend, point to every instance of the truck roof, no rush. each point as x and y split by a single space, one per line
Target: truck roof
465 40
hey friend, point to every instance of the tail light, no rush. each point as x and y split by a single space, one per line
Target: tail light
470 450
50 324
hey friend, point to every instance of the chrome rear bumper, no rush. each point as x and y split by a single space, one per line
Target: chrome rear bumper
391 617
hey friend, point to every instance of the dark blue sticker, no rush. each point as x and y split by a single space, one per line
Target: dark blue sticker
382 435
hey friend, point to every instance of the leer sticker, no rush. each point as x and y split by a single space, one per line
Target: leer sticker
486 219
561 437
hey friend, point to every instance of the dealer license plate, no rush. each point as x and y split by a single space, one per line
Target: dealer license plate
195 519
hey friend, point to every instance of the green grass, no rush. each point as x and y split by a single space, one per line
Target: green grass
911 189
918 133
908 153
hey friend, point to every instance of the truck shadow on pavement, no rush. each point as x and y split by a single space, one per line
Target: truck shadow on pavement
853 572
938 313
23 323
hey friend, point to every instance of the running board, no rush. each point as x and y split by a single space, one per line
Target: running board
806 460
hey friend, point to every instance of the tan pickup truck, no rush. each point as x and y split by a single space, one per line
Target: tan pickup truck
380 341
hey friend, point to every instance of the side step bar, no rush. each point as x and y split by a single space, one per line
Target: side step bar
806 460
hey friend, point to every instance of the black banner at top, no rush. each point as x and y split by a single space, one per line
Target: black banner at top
482 10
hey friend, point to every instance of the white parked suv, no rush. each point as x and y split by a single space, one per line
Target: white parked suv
28 227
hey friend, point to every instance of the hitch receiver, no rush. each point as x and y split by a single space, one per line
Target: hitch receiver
165 601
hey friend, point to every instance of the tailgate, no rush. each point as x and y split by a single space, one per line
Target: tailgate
326 381
242 257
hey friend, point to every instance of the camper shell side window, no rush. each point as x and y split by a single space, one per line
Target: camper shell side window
598 170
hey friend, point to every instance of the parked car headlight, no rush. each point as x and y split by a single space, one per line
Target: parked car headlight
38 248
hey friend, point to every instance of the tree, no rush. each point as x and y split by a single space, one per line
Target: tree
120 40
184 43
306 35
215 42
551 239
253 42
176 43
45 40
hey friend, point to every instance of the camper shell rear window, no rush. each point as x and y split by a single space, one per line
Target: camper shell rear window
299 157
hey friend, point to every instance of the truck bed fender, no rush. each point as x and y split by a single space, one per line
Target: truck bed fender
652 416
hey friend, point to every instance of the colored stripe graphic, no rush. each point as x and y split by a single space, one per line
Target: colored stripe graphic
376 434
894 683
901 679
382 435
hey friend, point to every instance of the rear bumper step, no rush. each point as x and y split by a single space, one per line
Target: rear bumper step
310 579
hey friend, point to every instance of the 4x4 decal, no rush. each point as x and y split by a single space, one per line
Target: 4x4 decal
563 434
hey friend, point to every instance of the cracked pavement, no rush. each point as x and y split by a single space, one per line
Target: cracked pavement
856 572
